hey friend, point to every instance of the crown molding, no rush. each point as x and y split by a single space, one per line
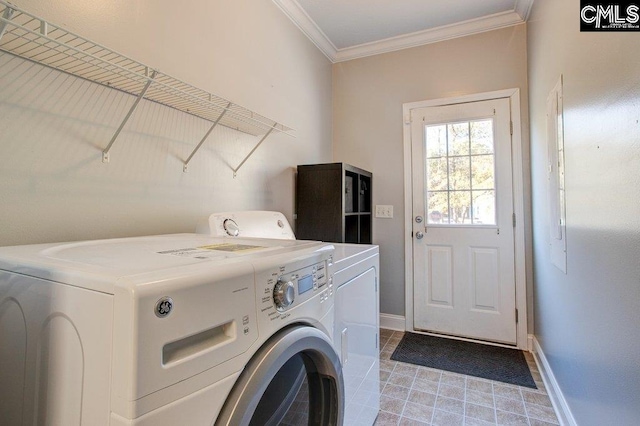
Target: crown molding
302 20
523 8
446 32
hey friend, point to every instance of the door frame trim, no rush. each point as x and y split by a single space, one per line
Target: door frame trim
518 200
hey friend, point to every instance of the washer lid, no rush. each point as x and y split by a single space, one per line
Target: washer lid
99 264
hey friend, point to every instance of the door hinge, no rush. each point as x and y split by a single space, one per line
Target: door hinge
511 127
514 219
516 315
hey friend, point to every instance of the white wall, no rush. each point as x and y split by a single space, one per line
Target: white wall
368 95
587 320
53 185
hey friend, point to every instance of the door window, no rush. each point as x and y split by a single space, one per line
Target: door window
460 173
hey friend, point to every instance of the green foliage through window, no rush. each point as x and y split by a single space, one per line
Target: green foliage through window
461 173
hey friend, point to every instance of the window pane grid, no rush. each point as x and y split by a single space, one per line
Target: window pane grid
460 175
460 156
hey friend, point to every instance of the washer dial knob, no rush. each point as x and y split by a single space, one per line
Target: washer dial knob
283 294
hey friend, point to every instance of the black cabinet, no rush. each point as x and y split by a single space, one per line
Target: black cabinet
333 203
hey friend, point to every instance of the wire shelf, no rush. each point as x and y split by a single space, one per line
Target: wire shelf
33 38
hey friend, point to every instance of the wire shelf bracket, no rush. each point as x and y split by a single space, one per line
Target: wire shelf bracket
30 37
235 171
105 153
204 138
6 16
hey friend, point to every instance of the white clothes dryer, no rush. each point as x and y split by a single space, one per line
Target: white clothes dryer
353 272
180 329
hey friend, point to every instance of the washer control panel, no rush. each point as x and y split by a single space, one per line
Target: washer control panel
299 285
286 289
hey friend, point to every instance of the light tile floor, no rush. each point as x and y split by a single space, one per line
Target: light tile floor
414 395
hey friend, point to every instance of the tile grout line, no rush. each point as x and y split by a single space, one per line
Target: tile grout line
433 413
388 343
524 404
464 403
404 405
410 390
495 406
394 369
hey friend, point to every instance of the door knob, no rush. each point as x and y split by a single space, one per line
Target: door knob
419 235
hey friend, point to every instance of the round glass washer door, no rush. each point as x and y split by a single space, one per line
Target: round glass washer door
294 379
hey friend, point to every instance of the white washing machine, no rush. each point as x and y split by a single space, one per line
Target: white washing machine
180 329
354 272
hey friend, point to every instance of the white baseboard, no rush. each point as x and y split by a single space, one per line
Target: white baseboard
392 322
565 417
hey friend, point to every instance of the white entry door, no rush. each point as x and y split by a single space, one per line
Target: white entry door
463 223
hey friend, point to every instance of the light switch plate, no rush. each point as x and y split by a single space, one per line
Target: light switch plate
384 212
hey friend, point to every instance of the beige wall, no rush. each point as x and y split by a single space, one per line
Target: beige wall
53 185
587 319
368 95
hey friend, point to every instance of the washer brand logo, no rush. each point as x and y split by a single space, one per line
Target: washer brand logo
164 307
619 16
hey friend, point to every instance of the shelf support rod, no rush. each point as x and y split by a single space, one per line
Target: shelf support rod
6 16
186 163
105 153
235 171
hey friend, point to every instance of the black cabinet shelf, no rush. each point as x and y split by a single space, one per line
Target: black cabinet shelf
333 203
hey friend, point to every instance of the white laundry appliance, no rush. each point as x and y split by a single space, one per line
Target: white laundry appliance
354 272
182 329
